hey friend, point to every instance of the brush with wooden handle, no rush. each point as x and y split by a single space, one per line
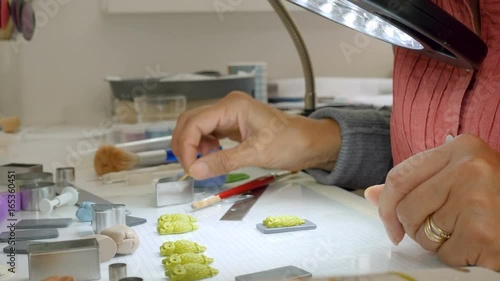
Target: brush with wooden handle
109 158
251 185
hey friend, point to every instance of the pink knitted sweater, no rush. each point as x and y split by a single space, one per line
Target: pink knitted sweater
433 100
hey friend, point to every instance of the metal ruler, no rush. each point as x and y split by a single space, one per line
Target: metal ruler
240 208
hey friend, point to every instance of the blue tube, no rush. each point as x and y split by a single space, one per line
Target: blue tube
172 158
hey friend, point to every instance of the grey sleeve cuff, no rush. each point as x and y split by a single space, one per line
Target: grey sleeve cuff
365 155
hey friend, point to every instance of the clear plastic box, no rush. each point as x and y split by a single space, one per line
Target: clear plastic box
154 108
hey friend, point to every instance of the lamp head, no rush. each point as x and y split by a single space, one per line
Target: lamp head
419 25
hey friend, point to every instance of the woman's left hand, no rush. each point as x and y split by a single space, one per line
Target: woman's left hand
457 186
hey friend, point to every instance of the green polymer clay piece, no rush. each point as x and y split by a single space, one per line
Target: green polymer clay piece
180 259
282 221
181 247
235 177
176 217
191 272
176 227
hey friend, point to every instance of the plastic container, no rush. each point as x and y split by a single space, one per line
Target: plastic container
161 129
154 108
133 133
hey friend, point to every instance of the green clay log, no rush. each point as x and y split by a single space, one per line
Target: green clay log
176 217
191 272
176 227
181 247
282 221
179 259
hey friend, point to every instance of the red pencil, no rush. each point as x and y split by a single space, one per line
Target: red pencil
251 185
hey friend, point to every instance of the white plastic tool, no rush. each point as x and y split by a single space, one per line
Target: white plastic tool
69 196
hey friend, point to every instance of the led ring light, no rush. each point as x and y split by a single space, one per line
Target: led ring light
419 25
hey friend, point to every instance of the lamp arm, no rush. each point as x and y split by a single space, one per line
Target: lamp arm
286 19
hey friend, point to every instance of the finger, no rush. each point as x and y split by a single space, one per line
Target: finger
402 179
208 144
445 219
195 127
179 129
424 200
220 162
372 194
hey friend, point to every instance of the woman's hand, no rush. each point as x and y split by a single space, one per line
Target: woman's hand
456 185
268 138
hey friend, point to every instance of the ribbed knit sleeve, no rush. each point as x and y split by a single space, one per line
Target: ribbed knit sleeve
365 155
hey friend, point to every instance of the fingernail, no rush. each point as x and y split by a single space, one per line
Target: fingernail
199 170
393 238
370 198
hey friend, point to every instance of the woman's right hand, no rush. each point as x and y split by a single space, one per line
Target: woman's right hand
268 138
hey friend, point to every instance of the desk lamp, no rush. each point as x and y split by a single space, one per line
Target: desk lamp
418 25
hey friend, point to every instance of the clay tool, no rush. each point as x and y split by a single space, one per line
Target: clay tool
18 168
33 193
29 234
85 196
146 145
139 176
183 178
117 271
113 159
44 223
240 208
251 185
78 258
69 196
110 159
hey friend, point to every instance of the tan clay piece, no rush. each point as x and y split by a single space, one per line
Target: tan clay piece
107 247
126 238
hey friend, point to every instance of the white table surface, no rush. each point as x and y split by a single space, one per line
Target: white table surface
349 239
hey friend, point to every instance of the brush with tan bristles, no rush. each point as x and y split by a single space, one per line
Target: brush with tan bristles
109 158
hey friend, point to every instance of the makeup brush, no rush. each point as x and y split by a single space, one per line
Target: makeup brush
109 158
251 185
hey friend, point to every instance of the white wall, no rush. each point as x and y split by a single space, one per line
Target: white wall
62 71
10 94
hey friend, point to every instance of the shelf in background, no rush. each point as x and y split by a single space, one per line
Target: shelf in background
188 6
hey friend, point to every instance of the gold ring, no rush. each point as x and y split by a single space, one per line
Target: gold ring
443 234
434 233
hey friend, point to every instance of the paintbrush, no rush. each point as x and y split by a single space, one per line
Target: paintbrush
109 158
251 185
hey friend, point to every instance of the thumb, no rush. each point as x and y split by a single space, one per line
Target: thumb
217 163
372 193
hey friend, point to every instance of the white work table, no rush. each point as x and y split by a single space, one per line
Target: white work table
349 238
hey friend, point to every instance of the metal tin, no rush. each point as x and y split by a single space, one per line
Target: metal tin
117 271
33 193
76 258
102 217
65 175
170 191
18 168
120 214
29 178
